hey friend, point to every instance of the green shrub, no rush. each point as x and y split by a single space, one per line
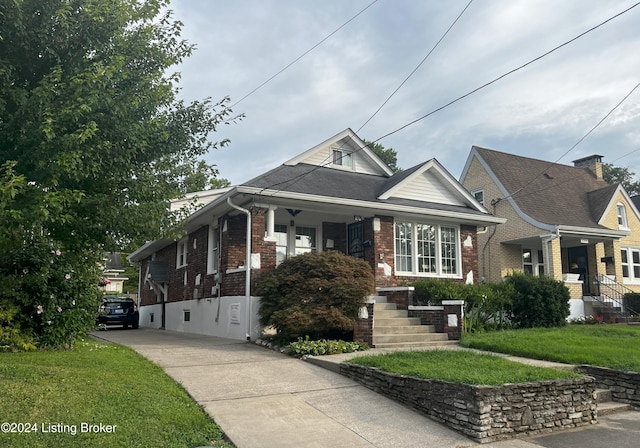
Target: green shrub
323 347
486 306
538 301
632 302
314 294
11 338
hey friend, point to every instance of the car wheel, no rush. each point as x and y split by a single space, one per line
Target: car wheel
135 324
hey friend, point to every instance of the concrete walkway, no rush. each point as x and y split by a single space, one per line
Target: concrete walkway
261 398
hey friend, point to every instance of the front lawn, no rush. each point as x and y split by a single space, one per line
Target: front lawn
54 394
459 366
613 346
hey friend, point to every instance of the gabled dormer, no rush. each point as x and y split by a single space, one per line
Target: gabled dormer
344 151
429 182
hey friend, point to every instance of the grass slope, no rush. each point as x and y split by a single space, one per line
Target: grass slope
613 346
98 383
459 366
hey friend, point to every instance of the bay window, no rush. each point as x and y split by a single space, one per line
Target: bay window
427 249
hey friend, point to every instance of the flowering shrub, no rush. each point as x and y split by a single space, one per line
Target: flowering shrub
53 292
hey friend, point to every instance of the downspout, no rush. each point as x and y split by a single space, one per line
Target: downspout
550 237
247 264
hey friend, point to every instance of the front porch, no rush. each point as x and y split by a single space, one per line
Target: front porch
589 265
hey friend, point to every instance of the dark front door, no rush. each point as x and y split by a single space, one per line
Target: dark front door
579 264
356 239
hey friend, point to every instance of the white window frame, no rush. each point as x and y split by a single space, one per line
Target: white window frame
412 250
342 158
621 212
213 250
181 252
632 265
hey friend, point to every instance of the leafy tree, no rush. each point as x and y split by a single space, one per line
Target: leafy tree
89 111
619 175
387 155
314 294
95 143
202 176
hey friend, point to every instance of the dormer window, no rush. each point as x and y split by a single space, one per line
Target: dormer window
622 216
342 158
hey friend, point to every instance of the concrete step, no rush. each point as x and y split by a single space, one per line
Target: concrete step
408 338
612 408
404 329
414 345
384 306
386 314
395 321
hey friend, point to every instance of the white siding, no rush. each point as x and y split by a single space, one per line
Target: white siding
428 188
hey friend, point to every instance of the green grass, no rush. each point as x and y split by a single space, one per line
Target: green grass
613 346
95 383
459 366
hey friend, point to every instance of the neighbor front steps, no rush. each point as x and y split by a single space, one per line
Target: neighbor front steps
606 406
393 328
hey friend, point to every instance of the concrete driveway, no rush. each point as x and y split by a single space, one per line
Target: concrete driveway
261 398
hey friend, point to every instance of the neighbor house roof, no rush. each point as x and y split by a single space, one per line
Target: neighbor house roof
549 193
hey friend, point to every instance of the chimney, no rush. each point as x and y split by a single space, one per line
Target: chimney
594 163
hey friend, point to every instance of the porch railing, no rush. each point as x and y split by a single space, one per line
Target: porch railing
611 293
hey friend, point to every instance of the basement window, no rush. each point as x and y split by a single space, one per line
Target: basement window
187 316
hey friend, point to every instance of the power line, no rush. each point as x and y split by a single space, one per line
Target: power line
417 67
304 54
575 144
506 74
329 158
295 179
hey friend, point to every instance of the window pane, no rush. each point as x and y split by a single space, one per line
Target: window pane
305 240
623 256
635 255
625 271
403 246
426 248
449 248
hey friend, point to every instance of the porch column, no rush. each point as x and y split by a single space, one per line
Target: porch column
553 258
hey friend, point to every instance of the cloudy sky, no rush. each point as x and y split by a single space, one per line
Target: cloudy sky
540 111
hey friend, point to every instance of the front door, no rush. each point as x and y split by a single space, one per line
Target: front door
356 239
579 264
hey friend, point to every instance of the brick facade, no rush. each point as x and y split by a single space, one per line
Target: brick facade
379 230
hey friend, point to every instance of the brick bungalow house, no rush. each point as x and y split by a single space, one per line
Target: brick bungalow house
337 195
563 221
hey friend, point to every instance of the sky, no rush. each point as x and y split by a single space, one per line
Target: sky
540 111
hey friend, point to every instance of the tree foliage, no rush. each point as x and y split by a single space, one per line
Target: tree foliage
314 294
620 175
90 114
387 155
95 143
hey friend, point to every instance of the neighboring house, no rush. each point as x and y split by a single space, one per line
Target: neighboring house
338 195
113 273
564 221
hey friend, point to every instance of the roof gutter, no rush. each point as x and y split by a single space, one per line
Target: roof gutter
247 265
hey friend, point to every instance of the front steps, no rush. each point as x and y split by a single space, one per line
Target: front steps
392 328
605 404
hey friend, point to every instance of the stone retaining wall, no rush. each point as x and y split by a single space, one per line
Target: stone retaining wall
488 413
624 386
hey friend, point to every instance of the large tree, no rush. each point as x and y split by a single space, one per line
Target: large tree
94 142
90 114
620 175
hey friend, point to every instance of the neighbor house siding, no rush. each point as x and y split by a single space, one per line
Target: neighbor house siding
492 254
632 240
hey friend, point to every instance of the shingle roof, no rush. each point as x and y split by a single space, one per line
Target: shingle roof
636 201
329 182
550 192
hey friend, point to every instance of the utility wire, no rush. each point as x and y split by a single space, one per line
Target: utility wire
304 54
300 176
328 160
569 150
417 67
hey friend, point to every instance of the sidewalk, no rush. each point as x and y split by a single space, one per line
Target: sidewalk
263 399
